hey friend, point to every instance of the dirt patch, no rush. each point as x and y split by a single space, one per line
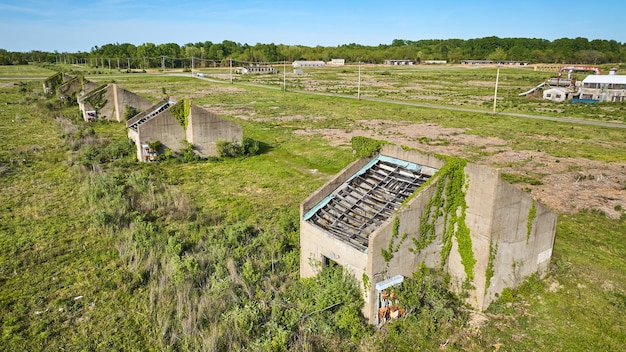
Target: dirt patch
566 185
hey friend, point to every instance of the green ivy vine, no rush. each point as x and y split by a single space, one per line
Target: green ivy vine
97 99
181 110
395 233
490 271
532 214
449 202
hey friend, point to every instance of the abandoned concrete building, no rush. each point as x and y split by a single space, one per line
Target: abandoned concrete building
51 83
66 87
110 102
382 217
174 123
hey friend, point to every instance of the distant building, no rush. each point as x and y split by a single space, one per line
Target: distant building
298 64
435 62
556 94
477 62
492 62
399 62
337 62
201 128
611 88
255 69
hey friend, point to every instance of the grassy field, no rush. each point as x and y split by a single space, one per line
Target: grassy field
98 252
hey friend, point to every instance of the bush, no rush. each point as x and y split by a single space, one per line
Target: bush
227 149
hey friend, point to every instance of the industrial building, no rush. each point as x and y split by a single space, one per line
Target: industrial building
300 64
399 62
601 88
382 217
245 70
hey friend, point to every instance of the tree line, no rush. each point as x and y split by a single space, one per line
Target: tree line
149 55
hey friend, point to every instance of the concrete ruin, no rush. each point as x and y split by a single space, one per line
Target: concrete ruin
66 87
51 83
381 217
110 102
174 127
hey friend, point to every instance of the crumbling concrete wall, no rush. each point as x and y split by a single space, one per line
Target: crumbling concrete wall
205 129
51 83
511 235
164 128
124 99
69 89
115 101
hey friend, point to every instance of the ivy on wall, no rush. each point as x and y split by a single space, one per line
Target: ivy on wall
532 214
393 247
490 271
181 110
97 99
448 202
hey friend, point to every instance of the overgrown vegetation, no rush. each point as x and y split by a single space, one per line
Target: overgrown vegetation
364 147
181 111
100 252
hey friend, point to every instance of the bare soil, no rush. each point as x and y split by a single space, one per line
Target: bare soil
568 184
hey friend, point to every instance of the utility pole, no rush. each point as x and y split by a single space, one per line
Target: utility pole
284 76
162 62
358 89
495 94
231 70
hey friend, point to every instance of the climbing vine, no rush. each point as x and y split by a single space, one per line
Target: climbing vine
97 99
532 213
490 271
180 110
395 233
432 212
366 282
448 201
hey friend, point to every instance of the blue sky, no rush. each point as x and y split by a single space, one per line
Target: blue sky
72 26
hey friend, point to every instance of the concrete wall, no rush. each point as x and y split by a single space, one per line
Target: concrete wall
70 88
205 129
117 101
519 254
123 99
163 128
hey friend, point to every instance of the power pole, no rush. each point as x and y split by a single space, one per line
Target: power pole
358 89
284 76
495 94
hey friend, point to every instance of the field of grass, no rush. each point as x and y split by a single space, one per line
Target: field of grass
99 252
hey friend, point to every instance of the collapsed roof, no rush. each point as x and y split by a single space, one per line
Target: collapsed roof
361 204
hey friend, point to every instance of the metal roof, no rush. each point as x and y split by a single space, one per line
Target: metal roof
620 79
360 205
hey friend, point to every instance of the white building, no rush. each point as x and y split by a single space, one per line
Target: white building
337 62
308 64
556 94
601 88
